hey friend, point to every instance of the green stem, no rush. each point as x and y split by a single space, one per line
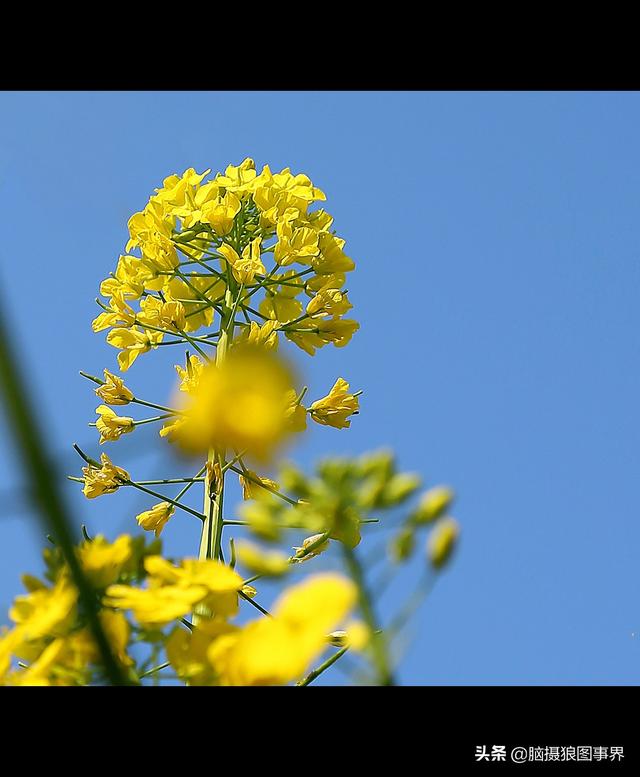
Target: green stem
155 669
164 498
156 407
378 646
323 667
245 474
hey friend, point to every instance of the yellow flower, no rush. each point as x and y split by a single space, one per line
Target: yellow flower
190 376
198 313
277 650
281 308
175 591
335 409
113 391
175 189
156 518
105 480
155 606
245 267
120 314
295 413
442 541
112 426
270 563
187 650
170 428
102 561
334 330
329 301
221 213
295 244
264 335
332 258
241 404
130 279
117 631
45 612
133 342
337 330
238 179
165 315
250 487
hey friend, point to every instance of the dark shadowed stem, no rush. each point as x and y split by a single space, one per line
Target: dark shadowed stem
38 466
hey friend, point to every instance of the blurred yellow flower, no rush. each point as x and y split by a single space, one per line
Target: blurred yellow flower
240 404
175 591
277 650
442 541
270 563
46 611
102 561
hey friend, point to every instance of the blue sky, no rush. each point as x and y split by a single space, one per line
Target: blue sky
497 284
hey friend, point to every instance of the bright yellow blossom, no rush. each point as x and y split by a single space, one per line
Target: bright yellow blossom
245 267
133 342
281 308
113 391
331 258
156 518
329 301
238 179
335 409
164 315
112 426
295 244
221 212
190 376
104 480
119 314
260 335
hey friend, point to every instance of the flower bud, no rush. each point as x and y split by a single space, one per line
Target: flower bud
442 541
434 503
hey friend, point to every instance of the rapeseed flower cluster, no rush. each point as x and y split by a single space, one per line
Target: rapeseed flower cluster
232 268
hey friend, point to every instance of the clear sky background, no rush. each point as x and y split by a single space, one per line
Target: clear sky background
497 244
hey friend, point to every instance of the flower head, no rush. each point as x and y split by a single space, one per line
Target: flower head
156 518
112 426
103 480
113 391
336 407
